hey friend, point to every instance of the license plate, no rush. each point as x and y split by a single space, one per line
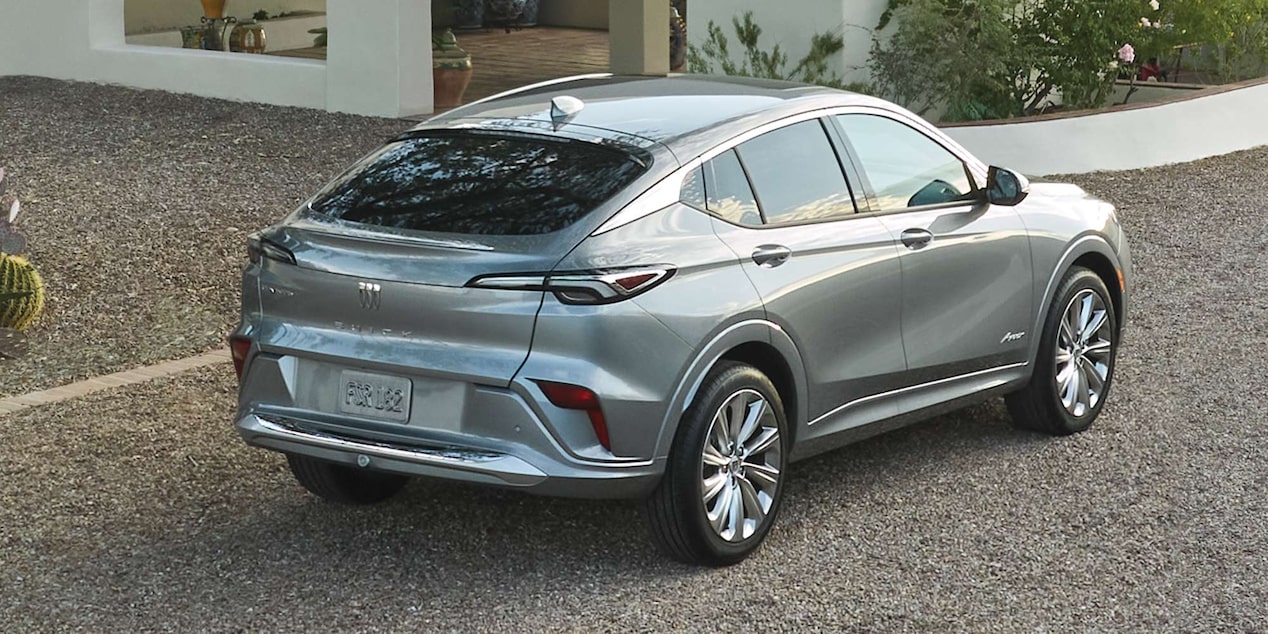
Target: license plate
374 395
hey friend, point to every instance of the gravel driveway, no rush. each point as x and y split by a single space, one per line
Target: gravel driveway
139 509
137 205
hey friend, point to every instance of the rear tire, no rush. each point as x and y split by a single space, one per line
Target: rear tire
1075 365
344 485
724 481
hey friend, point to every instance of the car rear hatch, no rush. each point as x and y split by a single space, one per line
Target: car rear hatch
371 274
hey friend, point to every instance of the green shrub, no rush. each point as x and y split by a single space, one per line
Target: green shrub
993 58
714 56
1235 32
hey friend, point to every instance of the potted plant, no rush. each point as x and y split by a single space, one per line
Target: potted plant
451 69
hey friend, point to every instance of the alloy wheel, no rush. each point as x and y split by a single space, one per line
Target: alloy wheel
740 465
1083 353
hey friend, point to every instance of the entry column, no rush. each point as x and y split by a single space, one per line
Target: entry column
378 60
638 37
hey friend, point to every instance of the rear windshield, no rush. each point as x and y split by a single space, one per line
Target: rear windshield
479 184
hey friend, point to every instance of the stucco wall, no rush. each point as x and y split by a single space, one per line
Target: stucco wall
1204 125
375 65
790 24
142 16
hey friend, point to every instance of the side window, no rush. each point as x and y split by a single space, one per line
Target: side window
729 194
692 192
796 174
906 168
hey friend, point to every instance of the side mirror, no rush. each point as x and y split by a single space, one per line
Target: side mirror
1006 187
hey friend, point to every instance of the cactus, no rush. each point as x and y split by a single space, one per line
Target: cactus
21 289
20 281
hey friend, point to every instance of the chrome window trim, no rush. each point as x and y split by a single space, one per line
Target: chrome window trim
667 191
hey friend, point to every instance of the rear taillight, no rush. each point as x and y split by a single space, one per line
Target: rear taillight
258 248
566 396
591 287
239 347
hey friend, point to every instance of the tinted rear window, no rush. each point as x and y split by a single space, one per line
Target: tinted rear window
479 184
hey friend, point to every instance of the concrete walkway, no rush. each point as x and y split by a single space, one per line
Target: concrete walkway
118 379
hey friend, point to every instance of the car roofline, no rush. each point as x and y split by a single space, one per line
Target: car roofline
521 89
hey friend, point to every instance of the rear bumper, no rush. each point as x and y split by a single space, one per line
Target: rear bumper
543 475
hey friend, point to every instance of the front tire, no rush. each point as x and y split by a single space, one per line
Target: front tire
344 485
1075 365
724 480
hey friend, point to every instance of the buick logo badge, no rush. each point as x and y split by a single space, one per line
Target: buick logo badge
371 295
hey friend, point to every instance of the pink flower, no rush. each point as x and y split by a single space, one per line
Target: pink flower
1127 54
1153 4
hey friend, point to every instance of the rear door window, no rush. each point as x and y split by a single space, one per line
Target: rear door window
796 174
481 184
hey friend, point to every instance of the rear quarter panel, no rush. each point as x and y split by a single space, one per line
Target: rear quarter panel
638 354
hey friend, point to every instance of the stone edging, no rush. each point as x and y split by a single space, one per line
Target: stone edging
106 382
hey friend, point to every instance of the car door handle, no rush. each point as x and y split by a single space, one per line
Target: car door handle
771 255
916 239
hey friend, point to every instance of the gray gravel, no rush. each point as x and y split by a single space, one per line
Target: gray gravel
139 509
137 205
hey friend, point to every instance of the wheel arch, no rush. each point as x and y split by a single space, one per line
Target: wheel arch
1094 253
770 362
1098 263
760 343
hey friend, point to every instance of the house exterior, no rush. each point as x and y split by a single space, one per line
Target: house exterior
378 61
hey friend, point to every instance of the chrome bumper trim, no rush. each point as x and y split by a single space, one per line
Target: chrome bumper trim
280 434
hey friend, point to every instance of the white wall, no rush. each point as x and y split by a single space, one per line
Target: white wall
1153 135
143 16
377 65
790 23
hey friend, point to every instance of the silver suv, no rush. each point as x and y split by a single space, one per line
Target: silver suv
668 289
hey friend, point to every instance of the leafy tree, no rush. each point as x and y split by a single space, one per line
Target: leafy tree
1002 58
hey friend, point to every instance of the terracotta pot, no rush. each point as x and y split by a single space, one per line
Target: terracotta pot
448 85
247 38
214 8
451 70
